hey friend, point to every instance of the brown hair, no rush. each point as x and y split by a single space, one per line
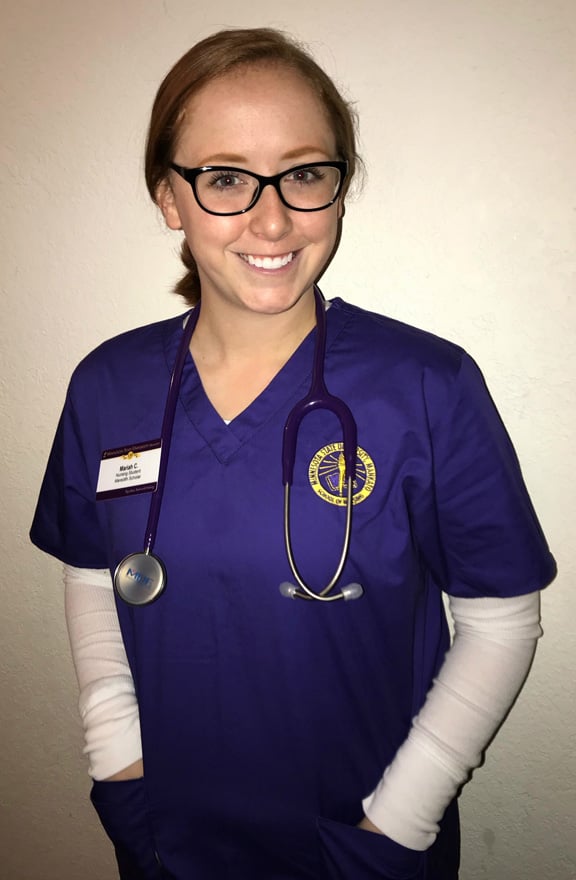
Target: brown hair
210 59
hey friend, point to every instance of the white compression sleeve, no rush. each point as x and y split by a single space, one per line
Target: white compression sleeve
480 678
107 701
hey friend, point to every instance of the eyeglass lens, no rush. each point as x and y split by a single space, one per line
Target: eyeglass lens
307 188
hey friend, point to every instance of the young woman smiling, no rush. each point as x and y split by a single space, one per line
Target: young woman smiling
231 733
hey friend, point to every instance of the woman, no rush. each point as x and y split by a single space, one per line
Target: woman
232 733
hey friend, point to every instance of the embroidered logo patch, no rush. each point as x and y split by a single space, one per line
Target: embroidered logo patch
326 475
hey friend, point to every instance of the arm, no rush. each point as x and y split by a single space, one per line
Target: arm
480 678
107 702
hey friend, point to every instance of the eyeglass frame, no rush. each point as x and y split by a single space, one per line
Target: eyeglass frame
191 174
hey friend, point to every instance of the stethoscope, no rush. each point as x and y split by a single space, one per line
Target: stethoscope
140 578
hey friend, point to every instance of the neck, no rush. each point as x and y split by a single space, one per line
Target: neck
228 335
238 352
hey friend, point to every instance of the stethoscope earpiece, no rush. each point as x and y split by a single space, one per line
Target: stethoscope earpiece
288 590
352 591
348 593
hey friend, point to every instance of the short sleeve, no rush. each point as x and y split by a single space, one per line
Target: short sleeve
485 538
66 524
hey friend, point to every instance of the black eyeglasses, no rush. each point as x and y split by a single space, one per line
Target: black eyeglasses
225 191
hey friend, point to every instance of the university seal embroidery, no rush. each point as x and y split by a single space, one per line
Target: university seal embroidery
326 475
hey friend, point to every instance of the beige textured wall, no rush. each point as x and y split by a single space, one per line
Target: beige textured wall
466 227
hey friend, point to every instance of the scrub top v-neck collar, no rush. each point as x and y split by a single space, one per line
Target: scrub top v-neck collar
287 386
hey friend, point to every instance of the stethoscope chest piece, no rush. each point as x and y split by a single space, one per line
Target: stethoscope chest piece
140 578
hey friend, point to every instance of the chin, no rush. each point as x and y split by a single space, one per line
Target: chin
273 305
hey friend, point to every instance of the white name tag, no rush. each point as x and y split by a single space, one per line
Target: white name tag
129 470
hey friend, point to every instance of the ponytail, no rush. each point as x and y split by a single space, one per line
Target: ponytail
189 285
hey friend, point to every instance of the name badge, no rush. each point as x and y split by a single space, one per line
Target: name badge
129 470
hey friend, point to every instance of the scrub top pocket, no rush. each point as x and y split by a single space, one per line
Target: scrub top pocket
352 853
123 811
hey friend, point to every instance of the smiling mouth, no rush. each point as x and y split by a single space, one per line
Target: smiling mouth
268 262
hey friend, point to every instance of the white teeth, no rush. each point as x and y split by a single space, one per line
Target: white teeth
268 262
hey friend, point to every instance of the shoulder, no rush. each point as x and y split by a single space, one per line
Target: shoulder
392 343
413 366
135 352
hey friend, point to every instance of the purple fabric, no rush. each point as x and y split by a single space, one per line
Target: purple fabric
123 812
260 714
354 854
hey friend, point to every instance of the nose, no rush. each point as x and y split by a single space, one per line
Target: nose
270 218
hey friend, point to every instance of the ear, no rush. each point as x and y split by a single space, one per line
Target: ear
166 201
341 208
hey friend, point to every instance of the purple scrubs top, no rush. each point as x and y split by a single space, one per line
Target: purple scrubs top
266 721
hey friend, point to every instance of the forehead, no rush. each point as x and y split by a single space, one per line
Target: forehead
254 112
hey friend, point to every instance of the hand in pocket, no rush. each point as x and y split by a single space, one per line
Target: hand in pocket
355 853
122 809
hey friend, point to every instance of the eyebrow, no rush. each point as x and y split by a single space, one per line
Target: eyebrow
225 158
303 151
222 158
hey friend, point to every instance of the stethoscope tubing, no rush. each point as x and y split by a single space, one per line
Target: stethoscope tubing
150 568
318 397
167 429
